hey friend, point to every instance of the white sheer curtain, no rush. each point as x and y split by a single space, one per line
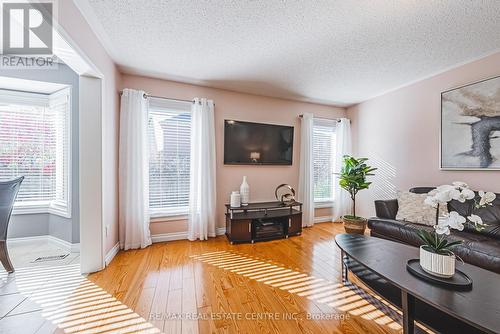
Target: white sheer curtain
133 175
201 224
306 180
342 201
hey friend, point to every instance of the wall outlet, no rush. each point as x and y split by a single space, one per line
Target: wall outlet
106 230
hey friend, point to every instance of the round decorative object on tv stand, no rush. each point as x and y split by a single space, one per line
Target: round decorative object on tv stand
245 192
284 193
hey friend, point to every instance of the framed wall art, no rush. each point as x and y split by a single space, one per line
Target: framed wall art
470 126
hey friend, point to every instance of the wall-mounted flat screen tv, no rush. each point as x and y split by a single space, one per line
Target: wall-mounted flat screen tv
247 143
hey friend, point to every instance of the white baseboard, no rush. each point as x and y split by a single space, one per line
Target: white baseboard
111 254
27 239
180 235
323 219
73 248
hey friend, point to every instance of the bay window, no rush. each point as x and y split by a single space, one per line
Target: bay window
35 143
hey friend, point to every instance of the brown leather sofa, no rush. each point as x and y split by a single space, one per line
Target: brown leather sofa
481 249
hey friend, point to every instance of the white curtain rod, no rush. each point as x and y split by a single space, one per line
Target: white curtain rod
163 98
328 119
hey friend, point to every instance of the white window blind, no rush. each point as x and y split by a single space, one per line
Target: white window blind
34 143
169 147
323 159
60 106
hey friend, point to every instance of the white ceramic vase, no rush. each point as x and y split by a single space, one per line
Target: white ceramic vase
245 192
437 264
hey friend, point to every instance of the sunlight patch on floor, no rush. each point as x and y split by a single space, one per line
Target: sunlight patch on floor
75 304
344 297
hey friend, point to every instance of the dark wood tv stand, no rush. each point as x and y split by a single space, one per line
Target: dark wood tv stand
263 221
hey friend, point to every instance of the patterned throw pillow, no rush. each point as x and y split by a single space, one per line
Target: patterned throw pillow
413 209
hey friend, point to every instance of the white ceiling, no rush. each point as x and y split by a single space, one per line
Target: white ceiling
332 51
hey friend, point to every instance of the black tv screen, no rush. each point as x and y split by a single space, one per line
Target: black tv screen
247 143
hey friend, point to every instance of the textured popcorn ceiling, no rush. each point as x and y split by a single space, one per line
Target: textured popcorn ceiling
336 52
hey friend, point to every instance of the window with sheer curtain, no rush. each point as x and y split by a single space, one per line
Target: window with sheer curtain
169 163
323 161
35 143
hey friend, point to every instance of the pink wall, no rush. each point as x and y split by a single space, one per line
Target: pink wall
400 132
80 33
232 105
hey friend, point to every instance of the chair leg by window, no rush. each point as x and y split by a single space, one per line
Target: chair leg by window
4 257
8 194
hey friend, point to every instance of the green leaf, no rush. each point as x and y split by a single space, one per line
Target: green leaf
442 243
454 243
427 238
353 174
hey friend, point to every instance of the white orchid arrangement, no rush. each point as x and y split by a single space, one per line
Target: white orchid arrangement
459 191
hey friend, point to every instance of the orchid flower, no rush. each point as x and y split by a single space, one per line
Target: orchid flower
460 185
444 188
431 201
443 194
477 221
455 221
442 229
486 198
462 196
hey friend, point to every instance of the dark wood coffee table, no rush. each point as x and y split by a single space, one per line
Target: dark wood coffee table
477 310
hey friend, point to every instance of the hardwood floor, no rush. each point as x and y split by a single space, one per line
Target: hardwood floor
282 286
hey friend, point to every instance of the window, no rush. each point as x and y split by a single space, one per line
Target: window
323 160
34 143
169 149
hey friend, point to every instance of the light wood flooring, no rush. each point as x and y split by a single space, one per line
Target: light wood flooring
282 286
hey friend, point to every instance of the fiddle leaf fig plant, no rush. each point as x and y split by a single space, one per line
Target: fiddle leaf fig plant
353 176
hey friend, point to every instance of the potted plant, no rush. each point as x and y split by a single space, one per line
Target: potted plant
436 254
352 178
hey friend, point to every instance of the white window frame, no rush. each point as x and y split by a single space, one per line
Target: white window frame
57 207
178 213
329 202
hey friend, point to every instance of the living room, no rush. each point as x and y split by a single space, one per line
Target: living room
286 167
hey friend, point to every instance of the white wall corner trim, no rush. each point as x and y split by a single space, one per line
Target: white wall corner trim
111 254
73 248
323 219
181 235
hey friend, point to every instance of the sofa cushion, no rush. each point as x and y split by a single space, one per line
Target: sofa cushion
386 208
397 230
482 251
411 208
477 249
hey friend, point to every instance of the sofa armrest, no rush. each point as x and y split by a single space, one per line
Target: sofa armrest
386 208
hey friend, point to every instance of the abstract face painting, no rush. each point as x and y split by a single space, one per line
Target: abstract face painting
470 126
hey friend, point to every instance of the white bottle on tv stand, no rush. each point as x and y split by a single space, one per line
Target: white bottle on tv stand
244 192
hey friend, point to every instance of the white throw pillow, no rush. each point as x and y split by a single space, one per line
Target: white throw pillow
413 209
